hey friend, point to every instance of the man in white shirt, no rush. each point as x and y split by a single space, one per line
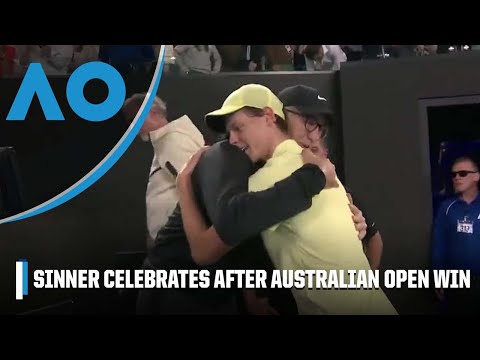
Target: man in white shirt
328 58
173 144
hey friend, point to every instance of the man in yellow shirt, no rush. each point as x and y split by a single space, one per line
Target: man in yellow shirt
320 238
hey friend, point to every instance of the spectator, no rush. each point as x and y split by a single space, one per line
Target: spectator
55 59
323 57
198 59
370 52
277 58
353 52
28 54
298 56
251 58
401 51
455 237
313 55
83 54
8 58
173 143
128 59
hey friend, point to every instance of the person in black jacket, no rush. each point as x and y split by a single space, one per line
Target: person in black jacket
211 242
220 186
251 58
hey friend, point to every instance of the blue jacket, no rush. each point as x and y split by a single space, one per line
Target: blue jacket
456 236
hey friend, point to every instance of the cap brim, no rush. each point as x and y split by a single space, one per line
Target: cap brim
216 120
316 111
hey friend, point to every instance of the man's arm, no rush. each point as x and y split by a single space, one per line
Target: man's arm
238 214
217 59
222 181
372 242
336 55
206 247
374 249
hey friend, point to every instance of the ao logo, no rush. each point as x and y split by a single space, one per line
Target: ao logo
36 82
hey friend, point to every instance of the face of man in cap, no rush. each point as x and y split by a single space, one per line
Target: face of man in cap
307 113
251 131
306 130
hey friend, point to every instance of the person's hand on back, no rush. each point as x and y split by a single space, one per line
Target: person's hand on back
184 175
358 219
324 164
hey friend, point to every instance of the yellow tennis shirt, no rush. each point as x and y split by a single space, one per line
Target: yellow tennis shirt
321 238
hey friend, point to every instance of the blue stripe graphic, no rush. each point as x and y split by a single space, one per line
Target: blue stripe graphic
25 277
111 158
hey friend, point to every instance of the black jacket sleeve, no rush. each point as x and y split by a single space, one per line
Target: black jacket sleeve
222 176
371 226
256 53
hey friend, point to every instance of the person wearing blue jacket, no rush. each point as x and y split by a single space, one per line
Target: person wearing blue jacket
456 237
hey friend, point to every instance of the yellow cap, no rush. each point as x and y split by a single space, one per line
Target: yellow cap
251 95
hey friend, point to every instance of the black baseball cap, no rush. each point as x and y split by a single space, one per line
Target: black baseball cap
307 100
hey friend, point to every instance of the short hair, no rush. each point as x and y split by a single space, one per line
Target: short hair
466 158
133 103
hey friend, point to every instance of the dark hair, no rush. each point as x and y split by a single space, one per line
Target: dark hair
467 158
312 51
256 112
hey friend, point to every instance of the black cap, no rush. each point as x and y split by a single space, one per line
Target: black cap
307 100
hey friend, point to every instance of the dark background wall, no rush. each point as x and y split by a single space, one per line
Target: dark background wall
384 163
52 156
386 151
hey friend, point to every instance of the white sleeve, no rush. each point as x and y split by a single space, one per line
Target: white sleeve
216 58
336 55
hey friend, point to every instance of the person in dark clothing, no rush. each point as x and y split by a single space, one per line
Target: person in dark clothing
209 243
251 58
199 235
370 52
128 59
455 238
297 52
219 183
